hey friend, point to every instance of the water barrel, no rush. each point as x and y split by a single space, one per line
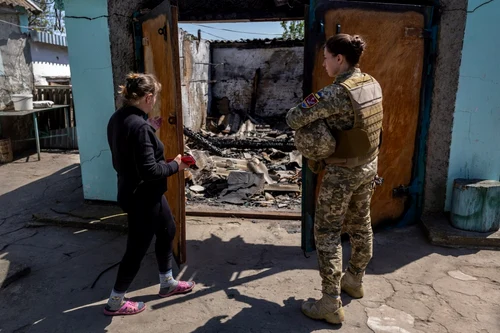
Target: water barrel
475 205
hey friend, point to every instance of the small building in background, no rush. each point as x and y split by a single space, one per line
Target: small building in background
16 76
16 68
30 61
49 53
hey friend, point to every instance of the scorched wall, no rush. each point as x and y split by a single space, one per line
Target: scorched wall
281 73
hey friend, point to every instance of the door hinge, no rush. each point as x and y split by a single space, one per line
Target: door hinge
401 191
145 41
163 31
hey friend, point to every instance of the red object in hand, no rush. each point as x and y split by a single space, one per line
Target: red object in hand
189 160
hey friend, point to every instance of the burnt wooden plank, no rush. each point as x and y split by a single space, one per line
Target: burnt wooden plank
276 215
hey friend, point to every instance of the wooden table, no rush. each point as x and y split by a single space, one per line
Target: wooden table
35 112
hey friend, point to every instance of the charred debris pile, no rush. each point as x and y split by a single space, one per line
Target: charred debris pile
251 162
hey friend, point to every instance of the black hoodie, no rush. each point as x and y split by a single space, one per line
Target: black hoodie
137 158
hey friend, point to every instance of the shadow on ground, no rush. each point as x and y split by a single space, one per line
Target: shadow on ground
216 264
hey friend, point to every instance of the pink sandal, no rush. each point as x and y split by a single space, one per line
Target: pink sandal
128 308
183 287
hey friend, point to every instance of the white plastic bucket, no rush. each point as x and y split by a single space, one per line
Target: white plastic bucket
22 102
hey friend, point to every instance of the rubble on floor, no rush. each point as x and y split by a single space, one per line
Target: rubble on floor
244 163
249 135
265 178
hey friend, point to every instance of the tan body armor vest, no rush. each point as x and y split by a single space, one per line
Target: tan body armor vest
360 145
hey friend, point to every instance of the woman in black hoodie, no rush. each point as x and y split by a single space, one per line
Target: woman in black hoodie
142 181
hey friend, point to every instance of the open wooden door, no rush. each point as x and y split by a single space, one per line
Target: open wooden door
160 56
395 56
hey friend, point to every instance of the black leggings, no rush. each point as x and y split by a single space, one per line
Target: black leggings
144 221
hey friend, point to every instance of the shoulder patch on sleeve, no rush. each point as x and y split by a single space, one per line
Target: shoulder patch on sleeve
312 100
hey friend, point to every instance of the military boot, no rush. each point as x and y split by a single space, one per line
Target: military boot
327 308
352 284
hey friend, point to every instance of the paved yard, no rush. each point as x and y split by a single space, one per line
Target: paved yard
251 274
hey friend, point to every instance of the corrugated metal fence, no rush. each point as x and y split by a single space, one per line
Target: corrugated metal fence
55 122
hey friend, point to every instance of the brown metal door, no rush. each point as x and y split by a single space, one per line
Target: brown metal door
395 57
161 58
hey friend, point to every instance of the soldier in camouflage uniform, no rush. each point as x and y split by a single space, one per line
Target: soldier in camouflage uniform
352 109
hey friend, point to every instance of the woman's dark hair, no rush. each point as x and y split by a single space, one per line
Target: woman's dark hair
351 47
139 85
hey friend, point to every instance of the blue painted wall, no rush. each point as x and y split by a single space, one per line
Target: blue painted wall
92 79
475 148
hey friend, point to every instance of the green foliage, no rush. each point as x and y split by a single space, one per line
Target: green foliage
49 20
293 29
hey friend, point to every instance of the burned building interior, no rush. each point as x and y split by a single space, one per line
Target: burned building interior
235 121
235 95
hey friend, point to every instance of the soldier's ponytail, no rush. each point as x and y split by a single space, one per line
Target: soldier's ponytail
351 47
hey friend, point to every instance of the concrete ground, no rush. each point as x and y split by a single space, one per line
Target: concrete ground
251 274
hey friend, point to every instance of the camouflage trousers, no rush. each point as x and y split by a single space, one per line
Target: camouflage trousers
344 205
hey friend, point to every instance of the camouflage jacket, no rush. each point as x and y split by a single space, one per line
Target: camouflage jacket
334 105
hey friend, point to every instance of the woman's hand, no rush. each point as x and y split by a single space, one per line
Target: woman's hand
181 164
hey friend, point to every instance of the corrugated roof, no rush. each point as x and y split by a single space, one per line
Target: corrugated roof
43 37
27 4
